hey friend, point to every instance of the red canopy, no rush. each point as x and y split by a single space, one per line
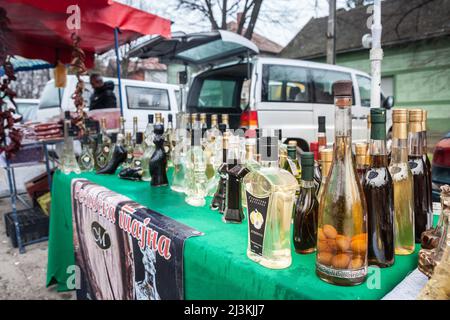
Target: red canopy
39 29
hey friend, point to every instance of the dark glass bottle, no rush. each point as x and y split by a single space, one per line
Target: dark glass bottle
379 193
417 166
314 148
427 162
306 209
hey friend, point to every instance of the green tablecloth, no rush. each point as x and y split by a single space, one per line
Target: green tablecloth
215 265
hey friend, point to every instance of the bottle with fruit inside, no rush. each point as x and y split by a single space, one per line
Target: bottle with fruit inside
342 221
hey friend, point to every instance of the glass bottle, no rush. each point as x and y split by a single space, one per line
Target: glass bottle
225 120
417 166
270 193
122 125
169 141
86 160
427 162
129 147
195 124
105 136
403 185
342 223
148 133
68 160
361 163
314 148
138 150
369 125
321 133
179 155
378 189
282 149
326 158
218 201
291 164
251 163
306 208
195 172
102 154
135 130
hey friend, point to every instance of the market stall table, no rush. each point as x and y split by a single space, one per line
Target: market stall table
215 265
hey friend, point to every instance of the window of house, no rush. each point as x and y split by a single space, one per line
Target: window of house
323 84
147 98
285 84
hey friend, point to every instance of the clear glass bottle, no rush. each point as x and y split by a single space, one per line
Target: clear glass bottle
321 133
282 149
361 163
270 193
179 155
195 172
225 120
129 147
135 130
417 166
291 164
86 160
326 158
148 133
102 154
169 141
403 185
138 150
68 160
427 163
314 148
306 209
379 192
122 125
103 130
342 223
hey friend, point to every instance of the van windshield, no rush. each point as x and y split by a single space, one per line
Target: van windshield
50 96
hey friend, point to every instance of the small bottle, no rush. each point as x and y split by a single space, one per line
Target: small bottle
86 160
179 155
361 163
195 172
291 164
417 166
129 147
306 209
282 149
378 189
427 162
218 201
326 158
342 232
321 133
122 125
169 141
195 124
135 130
68 160
403 185
270 193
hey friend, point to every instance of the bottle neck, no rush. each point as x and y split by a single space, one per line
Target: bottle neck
415 144
399 152
269 164
292 153
424 142
307 173
343 117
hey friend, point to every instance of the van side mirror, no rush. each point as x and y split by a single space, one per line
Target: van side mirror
388 103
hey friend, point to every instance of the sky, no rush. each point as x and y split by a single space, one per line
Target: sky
279 20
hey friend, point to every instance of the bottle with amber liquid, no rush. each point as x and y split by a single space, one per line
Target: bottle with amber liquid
403 185
361 163
379 193
305 217
426 160
417 166
326 158
342 219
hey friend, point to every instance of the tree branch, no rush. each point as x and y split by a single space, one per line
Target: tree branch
254 16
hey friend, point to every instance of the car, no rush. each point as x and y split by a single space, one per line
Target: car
139 98
264 92
27 108
440 166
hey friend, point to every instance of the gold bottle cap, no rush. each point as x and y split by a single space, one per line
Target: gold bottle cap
415 115
361 149
203 117
424 120
400 115
128 135
214 120
225 118
369 122
193 117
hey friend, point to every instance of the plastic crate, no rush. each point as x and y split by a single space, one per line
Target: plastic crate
32 222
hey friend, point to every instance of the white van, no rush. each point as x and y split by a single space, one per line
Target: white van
139 98
264 91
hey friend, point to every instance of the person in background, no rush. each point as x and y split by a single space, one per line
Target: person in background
103 96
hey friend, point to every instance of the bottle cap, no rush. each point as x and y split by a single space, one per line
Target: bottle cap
424 120
415 115
193 117
169 117
225 118
139 137
377 115
222 127
307 163
214 117
342 88
269 148
322 124
158 117
400 115
114 137
314 148
202 116
67 115
150 118
292 143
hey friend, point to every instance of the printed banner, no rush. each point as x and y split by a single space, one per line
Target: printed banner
125 251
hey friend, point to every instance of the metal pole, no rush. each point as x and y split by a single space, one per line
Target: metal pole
331 33
376 56
116 49
14 208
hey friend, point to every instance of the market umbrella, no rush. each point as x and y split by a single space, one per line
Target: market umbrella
39 29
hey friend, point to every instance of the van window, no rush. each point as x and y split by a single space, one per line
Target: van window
50 97
217 93
364 85
285 84
323 84
147 98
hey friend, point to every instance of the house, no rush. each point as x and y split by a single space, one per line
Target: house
416 44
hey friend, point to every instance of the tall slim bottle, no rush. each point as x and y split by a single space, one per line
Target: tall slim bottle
305 217
321 133
417 166
427 162
314 148
342 232
361 163
169 141
291 164
379 194
403 185
270 193
195 172
122 125
135 130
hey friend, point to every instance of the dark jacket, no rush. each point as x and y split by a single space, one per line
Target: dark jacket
103 97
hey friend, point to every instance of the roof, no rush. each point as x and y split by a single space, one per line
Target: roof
403 21
263 44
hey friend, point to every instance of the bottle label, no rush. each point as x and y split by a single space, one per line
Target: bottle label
86 159
101 160
292 166
342 273
137 162
257 208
